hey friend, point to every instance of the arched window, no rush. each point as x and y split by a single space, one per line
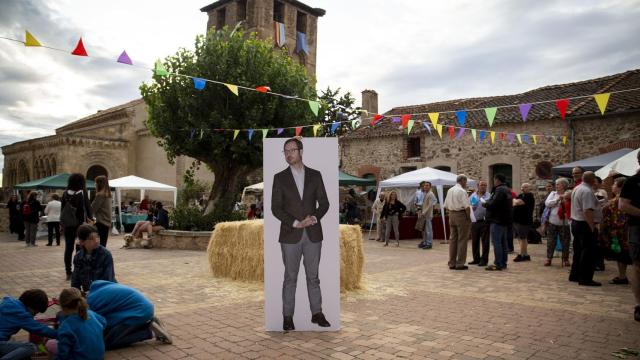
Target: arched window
95 171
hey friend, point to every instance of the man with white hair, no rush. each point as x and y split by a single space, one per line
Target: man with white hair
629 203
583 228
523 206
457 202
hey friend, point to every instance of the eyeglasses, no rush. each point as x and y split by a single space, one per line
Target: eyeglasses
287 152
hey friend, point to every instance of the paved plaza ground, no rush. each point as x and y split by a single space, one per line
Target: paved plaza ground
413 307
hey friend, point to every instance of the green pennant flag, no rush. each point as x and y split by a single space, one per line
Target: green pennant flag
264 133
354 124
473 134
235 134
602 100
519 138
409 126
159 69
491 114
315 106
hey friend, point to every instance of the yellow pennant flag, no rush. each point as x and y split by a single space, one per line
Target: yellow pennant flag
439 128
232 88
535 138
493 136
31 40
434 119
473 134
564 140
519 138
315 129
602 100
235 134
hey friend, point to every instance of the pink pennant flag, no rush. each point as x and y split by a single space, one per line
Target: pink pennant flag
562 106
124 58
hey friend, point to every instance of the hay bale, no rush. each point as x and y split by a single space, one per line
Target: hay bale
236 251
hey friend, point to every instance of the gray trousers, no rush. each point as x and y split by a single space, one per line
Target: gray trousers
291 255
393 221
31 229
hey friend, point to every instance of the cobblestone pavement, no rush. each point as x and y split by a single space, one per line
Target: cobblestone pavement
413 307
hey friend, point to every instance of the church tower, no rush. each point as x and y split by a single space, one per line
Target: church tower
291 24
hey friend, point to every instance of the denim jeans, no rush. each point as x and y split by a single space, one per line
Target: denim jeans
13 350
427 233
500 247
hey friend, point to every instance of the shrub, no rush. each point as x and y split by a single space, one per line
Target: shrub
190 218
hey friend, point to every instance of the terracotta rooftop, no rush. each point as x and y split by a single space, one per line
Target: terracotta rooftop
314 11
620 102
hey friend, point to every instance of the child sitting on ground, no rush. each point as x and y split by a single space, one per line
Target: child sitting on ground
92 262
80 334
18 314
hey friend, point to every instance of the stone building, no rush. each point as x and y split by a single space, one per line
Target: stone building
262 17
385 150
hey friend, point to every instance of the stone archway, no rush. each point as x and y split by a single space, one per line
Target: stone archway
95 171
23 172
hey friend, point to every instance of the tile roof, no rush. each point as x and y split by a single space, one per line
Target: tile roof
620 102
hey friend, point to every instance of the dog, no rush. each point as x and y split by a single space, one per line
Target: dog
131 242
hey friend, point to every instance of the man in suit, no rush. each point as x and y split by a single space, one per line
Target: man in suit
299 201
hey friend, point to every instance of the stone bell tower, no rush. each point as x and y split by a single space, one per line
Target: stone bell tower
290 24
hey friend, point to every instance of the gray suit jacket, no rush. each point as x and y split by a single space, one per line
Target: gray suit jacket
287 206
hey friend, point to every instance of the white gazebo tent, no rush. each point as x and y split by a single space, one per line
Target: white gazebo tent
406 185
625 165
132 182
254 187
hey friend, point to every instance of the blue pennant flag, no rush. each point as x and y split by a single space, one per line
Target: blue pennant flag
482 134
334 126
199 83
427 126
250 133
462 117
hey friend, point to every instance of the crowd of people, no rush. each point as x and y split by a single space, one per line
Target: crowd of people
575 215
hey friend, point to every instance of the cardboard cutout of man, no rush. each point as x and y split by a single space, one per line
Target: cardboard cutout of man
299 201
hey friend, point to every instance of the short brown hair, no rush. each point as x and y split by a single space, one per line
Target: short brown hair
85 230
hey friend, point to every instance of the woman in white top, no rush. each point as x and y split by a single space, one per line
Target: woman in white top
558 225
52 211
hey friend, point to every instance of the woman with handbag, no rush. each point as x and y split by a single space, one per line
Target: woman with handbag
101 207
76 210
613 234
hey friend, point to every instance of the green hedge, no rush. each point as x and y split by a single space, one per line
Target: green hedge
190 218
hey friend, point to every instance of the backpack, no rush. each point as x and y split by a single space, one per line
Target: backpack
68 215
26 209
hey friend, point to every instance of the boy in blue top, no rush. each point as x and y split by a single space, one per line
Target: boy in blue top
129 315
80 334
18 314
92 262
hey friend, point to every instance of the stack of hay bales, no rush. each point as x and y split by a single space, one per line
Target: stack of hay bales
236 251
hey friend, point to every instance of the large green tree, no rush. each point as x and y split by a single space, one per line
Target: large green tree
337 108
185 119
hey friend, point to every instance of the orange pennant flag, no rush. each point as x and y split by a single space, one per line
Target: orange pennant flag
263 89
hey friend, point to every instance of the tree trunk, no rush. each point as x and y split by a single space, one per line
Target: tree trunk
225 186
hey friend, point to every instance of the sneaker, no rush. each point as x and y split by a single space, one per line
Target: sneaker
426 247
421 245
526 258
161 334
518 258
636 313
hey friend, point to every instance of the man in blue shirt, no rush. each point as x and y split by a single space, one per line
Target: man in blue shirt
92 262
18 314
480 228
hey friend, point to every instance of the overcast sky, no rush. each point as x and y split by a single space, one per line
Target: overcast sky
409 51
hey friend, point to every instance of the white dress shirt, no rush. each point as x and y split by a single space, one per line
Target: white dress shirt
457 199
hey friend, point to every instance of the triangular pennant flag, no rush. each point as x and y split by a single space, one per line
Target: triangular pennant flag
298 130
250 133
524 111
263 89
510 138
434 118
460 133
315 129
235 134
492 134
462 117
519 138
562 107
502 136
482 135
405 121
396 119
439 129
79 50
30 40
427 126
564 140
201 133
525 138
376 118
199 83
473 134
193 132
334 126
535 138
451 131
602 100
354 124
491 114
279 131
124 58
159 69
232 88
264 133
410 126
314 105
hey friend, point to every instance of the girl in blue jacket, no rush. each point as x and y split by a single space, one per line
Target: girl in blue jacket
80 334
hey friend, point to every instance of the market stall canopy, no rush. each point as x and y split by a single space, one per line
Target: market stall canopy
58 181
345 179
625 165
258 186
590 164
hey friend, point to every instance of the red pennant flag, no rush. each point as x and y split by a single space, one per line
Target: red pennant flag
298 130
263 89
562 106
405 121
502 136
79 50
451 131
376 118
